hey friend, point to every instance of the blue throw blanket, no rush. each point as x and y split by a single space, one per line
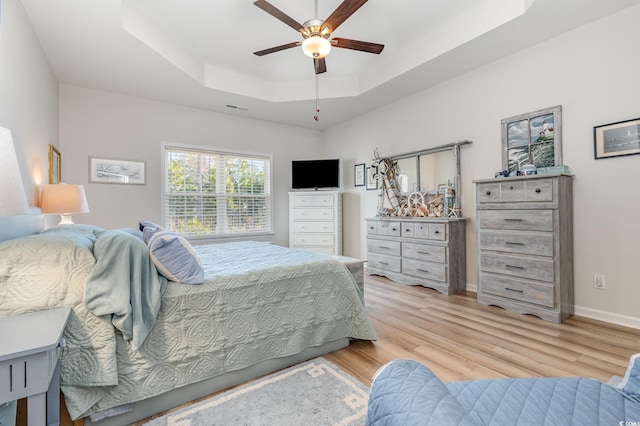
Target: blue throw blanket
125 284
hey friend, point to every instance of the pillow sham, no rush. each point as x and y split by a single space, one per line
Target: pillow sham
174 257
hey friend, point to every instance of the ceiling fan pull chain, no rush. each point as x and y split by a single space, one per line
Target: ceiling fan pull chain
317 116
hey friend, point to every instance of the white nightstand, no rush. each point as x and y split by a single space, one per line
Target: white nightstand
30 347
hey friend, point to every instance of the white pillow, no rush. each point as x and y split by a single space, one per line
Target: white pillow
174 257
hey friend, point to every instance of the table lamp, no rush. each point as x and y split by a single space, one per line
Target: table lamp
13 200
65 200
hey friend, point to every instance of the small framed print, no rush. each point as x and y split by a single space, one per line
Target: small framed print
372 182
359 174
113 170
55 165
617 139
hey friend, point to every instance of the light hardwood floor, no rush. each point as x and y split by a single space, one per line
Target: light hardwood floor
460 339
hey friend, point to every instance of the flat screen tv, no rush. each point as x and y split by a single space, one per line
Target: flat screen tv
315 174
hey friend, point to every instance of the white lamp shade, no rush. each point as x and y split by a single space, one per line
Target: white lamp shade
316 47
63 198
13 200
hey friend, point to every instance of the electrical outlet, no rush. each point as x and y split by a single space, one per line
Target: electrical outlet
599 281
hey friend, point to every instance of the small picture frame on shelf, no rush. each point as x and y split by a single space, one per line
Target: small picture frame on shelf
359 171
372 182
617 139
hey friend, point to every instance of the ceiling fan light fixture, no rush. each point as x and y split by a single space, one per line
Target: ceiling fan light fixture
316 47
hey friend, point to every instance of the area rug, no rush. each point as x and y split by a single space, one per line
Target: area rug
313 393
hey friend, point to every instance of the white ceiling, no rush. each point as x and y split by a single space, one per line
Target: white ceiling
198 53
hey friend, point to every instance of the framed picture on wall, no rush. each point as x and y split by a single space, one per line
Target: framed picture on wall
114 170
372 182
55 165
359 174
532 138
617 139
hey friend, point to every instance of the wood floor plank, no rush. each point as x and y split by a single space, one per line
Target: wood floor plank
463 340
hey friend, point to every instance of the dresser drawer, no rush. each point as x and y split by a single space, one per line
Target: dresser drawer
388 228
424 252
511 192
383 246
515 191
520 220
518 266
407 229
311 227
386 263
521 242
430 231
312 201
524 291
427 270
539 190
312 214
372 228
311 240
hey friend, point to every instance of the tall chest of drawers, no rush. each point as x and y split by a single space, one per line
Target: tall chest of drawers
426 252
315 221
525 245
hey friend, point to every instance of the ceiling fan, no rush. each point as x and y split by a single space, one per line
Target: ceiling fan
316 42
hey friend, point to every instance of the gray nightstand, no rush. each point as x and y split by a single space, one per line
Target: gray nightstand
30 347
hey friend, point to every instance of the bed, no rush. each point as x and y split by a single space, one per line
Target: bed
262 307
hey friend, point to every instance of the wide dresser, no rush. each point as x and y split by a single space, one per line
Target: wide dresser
426 252
525 244
315 221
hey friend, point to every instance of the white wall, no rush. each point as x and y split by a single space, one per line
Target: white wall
98 123
28 96
593 73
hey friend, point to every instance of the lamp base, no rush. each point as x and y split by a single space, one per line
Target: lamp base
65 219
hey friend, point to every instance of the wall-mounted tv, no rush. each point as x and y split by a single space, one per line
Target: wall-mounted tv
315 174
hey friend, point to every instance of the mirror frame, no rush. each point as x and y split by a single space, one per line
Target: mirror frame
455 147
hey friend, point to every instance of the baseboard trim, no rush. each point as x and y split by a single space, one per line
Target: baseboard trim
618 319
596 314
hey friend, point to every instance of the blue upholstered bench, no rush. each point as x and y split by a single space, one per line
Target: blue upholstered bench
406 392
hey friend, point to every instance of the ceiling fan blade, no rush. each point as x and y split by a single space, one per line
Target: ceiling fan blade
346 9
363 46
277 48
320 65
278 14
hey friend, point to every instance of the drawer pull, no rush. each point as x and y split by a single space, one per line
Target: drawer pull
538 190
436 232
514 267
423 252
383 263
423 270
514 290
513 244
512 220
10 377
394 229
372 228
384 247
511 187
407 230
488 192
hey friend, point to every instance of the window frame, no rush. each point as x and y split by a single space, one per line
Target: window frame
219 151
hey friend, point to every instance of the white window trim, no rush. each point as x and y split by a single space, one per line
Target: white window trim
211 237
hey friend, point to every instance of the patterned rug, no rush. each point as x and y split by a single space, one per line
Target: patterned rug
312 393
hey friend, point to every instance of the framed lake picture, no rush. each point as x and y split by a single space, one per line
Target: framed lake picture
617 139
114 170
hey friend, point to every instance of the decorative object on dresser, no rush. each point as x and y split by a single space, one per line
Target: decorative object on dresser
426 252
525 244
617 139
315 221
411 183
533 138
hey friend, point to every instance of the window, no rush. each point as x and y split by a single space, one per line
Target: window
211 192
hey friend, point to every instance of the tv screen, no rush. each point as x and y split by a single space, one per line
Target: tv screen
315 174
